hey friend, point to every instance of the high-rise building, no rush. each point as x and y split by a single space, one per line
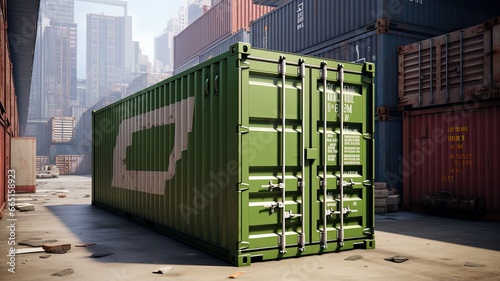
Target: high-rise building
105 55
60 68
164 43
54 70
164 52
196 8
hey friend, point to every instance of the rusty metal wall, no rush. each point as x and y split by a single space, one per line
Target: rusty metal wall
222 20
454 67
454 150
73 164
9 122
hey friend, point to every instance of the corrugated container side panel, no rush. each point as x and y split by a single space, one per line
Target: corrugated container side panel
301 24
187 209
3 170
211 26
382 50
453 149
449 68
496 50
244 12
222 20
73 164
186 65
223 46
41 161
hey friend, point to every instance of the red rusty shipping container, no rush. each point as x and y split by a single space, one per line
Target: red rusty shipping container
73 165
222 20
454 67
453 150
8 110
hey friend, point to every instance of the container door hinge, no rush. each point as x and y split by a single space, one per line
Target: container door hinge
243 64
368 136
243 130
368 231
368 183
243 245
242 186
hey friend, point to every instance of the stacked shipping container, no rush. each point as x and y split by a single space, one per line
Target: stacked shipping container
58 130
218 48
368 31
449 88
9 117
223 20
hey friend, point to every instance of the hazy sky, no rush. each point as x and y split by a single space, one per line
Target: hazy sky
149 18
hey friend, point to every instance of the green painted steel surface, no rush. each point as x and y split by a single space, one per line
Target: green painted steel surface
202 156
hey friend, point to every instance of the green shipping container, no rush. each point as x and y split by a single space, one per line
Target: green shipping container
247 156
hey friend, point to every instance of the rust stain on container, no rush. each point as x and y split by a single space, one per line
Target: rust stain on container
452 150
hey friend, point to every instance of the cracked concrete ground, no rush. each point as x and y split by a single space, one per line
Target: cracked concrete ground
436 248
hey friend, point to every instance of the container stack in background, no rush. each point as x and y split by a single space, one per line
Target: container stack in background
55 146
226 23
386 199
368 31
449 91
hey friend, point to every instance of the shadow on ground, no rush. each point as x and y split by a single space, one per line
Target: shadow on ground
127 241
480 234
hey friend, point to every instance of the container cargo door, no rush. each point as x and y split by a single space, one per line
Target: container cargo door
275 119
341 128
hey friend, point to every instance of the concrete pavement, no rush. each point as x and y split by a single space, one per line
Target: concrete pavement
436 248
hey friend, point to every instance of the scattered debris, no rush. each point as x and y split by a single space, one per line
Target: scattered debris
354 258
86 196
64 272
25 207
29 250
163 270
85 245
56 248
53 191
472 264
36 242
397 259
45 256
48 171
62 195
25 199
236 274
100 255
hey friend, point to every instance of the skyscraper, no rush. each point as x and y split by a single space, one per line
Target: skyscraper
164 43
54 69
105 55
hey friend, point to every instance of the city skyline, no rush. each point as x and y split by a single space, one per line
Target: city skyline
148 21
